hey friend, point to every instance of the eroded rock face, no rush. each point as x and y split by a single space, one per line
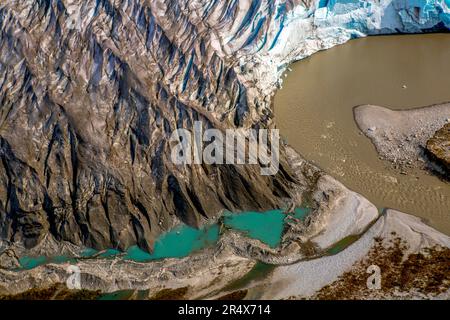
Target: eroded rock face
439 146
90 93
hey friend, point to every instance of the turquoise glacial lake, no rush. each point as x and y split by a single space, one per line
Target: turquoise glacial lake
183 240
28 262
266 227
177 243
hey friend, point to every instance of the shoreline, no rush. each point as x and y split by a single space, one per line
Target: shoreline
400 136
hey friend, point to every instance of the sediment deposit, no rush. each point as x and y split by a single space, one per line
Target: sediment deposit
401 136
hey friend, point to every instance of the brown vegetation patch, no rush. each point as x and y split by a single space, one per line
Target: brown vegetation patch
427 273
55 292
236 295
170 294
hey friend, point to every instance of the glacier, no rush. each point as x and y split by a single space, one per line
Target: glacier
300 29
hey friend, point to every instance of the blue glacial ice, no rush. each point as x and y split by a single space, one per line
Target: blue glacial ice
271 34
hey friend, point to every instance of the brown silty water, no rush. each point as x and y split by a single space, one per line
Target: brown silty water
314 112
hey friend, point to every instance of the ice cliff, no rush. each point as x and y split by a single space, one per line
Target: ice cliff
297 29
91 90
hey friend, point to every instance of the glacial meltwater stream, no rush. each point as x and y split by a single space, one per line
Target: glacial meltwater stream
314 112
183 240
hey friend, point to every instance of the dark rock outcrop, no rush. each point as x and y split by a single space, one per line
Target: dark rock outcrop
439 147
